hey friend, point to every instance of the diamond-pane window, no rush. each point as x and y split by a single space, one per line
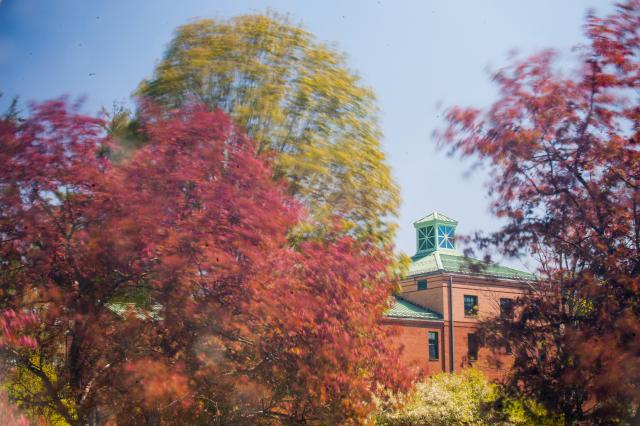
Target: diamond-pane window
422 239
445 237
426 238
431 241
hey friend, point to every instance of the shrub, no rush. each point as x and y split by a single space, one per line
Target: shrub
468 398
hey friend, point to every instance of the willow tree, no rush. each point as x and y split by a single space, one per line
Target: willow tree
298 99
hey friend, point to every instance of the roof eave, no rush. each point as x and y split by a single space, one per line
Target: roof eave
412 319
470 274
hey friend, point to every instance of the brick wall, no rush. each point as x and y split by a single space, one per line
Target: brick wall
413 335
432 298
414 338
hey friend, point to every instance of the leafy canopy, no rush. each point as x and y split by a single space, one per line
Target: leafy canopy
299 101
565 160
164 285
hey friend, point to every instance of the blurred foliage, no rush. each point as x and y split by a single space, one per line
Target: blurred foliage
467 398
23 384
163 288
12 113
9 413
560 144
297 99
123 126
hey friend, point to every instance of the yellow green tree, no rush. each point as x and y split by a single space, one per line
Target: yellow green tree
28 382
467 398
299 100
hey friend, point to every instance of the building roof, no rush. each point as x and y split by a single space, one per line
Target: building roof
435 216
457 263
403 309
123 309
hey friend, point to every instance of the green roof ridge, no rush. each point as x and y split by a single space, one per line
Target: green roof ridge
446 262
436 217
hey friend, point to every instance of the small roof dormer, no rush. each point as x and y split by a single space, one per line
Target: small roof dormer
435 233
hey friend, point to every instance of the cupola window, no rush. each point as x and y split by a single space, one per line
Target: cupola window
445 237
426 238
435 233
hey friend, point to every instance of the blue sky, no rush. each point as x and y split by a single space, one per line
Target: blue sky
414 54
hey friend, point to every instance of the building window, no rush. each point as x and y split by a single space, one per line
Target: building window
426 239
433 345
422 284
445 236
470 306
506 308
472 345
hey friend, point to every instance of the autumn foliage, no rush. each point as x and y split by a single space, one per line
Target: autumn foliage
163 287
564 154
300 101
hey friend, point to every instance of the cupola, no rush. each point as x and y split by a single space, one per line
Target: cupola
435 233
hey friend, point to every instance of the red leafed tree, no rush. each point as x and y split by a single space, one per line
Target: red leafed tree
564 151
164 284
12 333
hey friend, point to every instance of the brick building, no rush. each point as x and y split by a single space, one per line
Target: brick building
442 298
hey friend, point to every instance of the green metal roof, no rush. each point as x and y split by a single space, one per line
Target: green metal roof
445 258
436 217
404 309
445 262
123 309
